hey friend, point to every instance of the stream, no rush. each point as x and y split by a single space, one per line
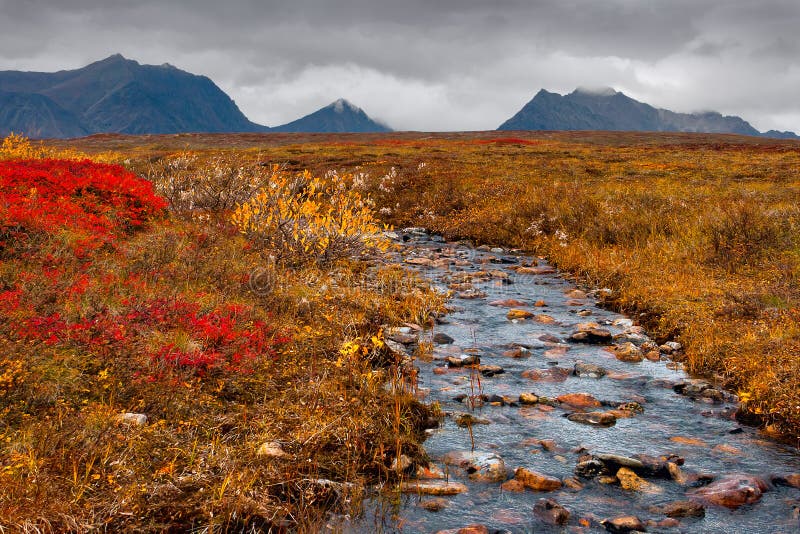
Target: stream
622 441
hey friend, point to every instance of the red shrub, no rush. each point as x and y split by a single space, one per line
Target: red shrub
96 202
58 293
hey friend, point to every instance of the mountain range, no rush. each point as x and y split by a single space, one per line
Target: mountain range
120 95
607 109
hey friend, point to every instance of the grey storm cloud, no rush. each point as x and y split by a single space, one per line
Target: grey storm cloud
435 65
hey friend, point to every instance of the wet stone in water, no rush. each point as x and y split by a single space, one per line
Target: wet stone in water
579 400
442 339
594 336
624 524
481 466
589 370
599 419
536 481
681 509
550 512
433 487
732 491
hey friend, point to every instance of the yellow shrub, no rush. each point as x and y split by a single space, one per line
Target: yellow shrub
304 218
17 146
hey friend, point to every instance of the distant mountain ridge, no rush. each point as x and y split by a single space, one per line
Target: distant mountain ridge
116 95
607 109
119 95
339 116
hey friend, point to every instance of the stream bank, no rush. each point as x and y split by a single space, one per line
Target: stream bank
561 416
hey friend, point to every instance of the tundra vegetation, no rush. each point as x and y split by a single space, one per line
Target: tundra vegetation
173 362
149 304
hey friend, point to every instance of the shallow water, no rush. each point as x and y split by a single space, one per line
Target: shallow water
718 445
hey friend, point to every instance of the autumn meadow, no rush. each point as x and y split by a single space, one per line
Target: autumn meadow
179 315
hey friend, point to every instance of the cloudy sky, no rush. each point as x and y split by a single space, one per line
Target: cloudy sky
435 64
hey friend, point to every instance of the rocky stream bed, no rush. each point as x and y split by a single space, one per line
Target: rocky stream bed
561 416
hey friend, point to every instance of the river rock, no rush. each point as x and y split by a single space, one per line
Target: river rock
590 468
517 352
615 461
657 466
547 401
681 509
600 419
792 480
465 420
732 491
573 483
623 322
552 374
434 505
630 481
670 347
442 339
549 338
628 352
481 466
631 406
469 529
544 319
536 481
491 370
648 346
677 474
550 512
579 400
430 472
508 303
699 390
528 398
471 294
594 336
576 294
628 336
519 314
513 485
433 487
421 262
588 370
403 338
463 360
624 524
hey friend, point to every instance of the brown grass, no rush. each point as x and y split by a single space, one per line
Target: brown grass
69 464
695 234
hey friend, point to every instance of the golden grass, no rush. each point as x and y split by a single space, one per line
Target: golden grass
69 464
696 235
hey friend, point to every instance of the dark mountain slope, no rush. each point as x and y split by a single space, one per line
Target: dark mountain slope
120 95
607 109
339 116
